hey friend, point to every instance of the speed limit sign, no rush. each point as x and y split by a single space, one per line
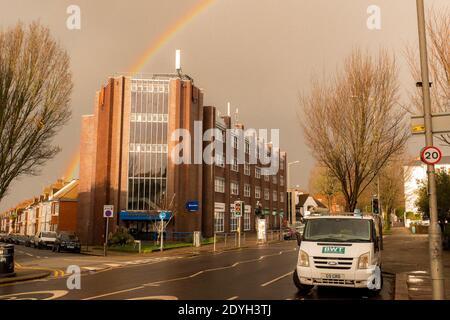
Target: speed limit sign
430 155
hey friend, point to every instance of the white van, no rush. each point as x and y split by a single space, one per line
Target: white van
341 250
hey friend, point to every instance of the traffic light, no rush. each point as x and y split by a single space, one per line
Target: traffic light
375 208
258 211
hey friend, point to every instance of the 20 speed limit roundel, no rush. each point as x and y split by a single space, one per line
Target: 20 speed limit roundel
431 155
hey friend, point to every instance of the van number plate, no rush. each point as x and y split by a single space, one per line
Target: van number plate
332 276
340 250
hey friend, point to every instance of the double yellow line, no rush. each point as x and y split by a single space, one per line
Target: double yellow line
57 273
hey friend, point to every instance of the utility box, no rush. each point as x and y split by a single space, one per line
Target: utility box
6 260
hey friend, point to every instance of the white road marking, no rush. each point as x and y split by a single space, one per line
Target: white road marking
214 269
92 268
113 293
29 254
113 265
233 298
276 279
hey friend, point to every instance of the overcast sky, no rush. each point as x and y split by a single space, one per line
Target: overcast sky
257 54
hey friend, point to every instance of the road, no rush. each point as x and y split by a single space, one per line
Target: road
263 272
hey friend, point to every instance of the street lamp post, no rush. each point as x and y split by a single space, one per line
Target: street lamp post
435 244
293 212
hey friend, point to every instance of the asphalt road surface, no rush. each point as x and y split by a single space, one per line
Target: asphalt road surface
254 273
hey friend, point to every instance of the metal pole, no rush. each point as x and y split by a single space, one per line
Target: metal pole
214 242
162 235
435 244
239 232
105 250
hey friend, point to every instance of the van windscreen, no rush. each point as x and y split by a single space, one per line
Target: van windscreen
338 230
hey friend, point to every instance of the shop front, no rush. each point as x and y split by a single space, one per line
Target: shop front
142 225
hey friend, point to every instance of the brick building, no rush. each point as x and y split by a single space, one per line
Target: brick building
126 153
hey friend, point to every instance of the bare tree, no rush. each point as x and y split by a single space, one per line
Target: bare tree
35 86
352 121
322 181
438 33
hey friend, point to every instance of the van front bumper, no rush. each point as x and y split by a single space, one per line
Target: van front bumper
336 278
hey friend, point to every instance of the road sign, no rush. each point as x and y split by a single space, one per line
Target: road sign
441 123
192 206
238 208
430 155
108 211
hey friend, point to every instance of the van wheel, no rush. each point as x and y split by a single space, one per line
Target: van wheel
302 288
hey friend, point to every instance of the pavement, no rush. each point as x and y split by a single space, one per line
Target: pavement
406 255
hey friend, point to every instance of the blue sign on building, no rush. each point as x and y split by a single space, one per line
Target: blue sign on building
142 216
192 206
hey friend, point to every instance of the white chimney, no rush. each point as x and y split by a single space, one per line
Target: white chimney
178 60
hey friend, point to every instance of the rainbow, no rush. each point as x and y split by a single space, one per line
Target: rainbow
72 171
169 33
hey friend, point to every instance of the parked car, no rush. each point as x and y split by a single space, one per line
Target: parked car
20 239
44 239
67 241
28 241
3 237
289 234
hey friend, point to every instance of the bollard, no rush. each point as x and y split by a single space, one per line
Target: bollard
6 260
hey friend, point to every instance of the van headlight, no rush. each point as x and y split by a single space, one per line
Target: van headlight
303 259
363 261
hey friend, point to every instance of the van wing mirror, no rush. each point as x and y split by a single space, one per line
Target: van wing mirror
298 236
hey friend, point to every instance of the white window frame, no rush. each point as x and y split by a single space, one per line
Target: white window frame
247 190
246 168
281 196
281 180
274 195
246 219
219 186
266 194
257 192
257 172
219 160
266 178
274 179
234 165
219 221
234 188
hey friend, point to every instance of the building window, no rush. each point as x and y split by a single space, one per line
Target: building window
247 219
235 166
257 192
219 160
257 172
274 195
219 218
246 169
234 188
275 220
219 185
282 160
281 180
281 196
235 142
266 194
247 190
233 223
247 147
274 179
148 153
266 178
